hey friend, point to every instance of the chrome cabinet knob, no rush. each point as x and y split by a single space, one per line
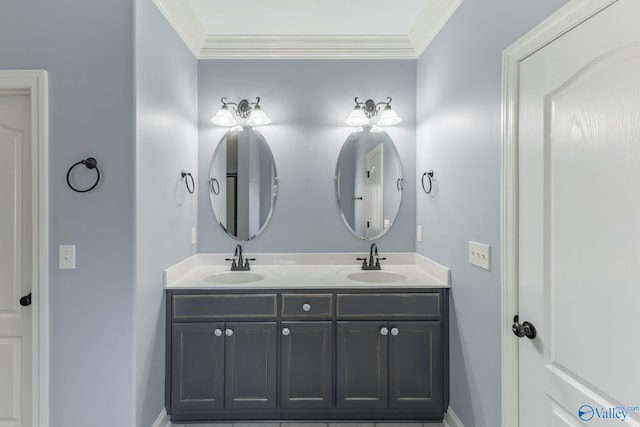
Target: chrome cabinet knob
395 332
384 331
229 332
306 306
285 331
218 332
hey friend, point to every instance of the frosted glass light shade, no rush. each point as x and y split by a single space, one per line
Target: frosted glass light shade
258 117
357 118
388 117
224 117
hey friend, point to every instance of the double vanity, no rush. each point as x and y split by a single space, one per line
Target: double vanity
307 337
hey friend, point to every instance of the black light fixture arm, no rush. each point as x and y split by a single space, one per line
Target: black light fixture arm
242 108
370 107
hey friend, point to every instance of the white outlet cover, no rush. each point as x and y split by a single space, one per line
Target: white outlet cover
479 255
194 236
419 233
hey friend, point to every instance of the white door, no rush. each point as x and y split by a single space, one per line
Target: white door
579 226
15 261
374 202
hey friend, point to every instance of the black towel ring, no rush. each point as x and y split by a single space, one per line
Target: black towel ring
429 175
215 190
90 163
186 176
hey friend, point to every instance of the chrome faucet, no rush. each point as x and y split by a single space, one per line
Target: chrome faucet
373 253
237 260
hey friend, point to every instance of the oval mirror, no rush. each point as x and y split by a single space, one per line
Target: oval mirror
242 183
369 183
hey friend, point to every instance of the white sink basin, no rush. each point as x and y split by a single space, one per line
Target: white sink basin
377 276
234 277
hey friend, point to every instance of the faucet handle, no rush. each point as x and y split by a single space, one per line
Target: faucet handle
378 259
364 261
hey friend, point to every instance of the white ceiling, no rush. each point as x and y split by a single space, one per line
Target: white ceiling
307 28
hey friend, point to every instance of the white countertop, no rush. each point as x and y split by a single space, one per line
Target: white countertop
301 271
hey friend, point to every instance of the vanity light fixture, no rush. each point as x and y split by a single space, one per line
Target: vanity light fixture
364 112
249 111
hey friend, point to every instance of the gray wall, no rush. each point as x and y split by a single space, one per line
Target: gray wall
87 48
166 143
308 102
458 134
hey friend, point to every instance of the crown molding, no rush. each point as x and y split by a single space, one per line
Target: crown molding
429 23
306 46
211 46
183 20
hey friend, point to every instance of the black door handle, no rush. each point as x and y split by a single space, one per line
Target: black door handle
525 330
25 301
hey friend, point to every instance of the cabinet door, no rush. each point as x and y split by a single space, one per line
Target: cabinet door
307 364
251 365
197 367
361 365
415 365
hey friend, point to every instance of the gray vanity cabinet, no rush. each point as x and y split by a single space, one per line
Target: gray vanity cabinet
361 365
250 369
223 354
393 357
197 373
415 365
324 354
307 365
306 351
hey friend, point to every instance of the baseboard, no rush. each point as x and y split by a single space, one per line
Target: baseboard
162 420
451 420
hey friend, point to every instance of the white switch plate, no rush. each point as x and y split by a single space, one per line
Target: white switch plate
194 236
419 233
479 254
67 256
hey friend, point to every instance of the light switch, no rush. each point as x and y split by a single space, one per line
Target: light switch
67 256
479 254
419 233
194 236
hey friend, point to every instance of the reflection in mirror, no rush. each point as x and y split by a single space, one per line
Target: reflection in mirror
369 183
242 183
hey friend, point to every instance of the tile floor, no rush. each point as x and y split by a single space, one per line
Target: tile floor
298 424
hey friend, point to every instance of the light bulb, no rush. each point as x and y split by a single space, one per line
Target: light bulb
223 117
388 117
258 117
357 117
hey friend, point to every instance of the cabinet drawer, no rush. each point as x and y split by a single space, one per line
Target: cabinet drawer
205 307
389 305
319 306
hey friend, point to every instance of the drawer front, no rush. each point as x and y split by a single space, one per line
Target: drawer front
319 306
389 305
234 306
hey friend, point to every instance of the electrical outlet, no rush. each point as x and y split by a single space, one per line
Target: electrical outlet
67 256
479 255
419 233
194 236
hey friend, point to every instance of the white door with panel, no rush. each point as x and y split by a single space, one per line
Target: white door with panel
579 224
15 261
